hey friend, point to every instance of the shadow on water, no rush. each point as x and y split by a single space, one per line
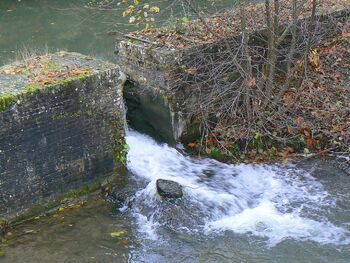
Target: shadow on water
76 234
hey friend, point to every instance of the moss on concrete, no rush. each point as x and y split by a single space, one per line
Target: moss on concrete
41 72
6 99
83 190
73 195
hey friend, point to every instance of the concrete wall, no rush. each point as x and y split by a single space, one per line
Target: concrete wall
57 133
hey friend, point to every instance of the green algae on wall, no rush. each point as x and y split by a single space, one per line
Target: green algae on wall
40 72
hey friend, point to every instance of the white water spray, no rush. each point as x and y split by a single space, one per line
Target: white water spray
275 202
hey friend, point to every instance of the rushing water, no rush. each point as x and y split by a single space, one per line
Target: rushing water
229 213
238 213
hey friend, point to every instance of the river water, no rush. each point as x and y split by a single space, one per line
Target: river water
239 213
229 213
291 213
51 25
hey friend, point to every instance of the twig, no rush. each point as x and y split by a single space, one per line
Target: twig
140 39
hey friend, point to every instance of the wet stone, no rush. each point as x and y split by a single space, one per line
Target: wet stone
208 173
169 189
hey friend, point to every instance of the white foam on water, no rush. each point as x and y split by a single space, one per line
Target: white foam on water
265 221
149 227
275 202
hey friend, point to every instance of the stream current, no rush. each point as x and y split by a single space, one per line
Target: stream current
261 207
272 202
229 213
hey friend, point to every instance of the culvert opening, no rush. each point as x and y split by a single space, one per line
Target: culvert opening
147 112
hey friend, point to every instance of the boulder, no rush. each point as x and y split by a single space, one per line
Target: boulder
169 189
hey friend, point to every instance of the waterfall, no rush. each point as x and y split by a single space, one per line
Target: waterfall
272 202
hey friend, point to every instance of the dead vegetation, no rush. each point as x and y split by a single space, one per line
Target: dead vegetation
315 117
263 81
280 90
210 28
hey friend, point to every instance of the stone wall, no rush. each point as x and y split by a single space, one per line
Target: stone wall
61 126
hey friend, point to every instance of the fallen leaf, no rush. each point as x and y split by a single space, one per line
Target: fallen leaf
192 145
124 242
290 149
310 142
80 71
180 46
22 242
117 234
307 134
250 82
314 59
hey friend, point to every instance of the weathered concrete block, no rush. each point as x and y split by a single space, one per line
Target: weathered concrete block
61 126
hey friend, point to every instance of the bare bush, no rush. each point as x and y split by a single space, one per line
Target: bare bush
239 85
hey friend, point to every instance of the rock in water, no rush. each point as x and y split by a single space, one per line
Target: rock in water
169 189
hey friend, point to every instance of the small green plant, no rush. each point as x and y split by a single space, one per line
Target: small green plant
48 64
6 99
235 148
273 152
258 142
4 227
215 153
82 191
32 88
121 154
176 24
298 142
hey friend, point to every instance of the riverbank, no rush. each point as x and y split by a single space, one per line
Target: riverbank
190 67
316 117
